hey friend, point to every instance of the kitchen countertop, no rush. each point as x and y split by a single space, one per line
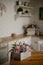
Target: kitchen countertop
10 38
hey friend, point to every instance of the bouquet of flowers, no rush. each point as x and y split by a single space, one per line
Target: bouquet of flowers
21 47
17 49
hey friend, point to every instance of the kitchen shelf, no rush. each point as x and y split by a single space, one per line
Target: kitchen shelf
27 11
24 6
24 15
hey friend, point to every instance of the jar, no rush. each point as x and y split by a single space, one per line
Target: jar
20 2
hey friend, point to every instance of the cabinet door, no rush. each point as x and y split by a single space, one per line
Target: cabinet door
34 43
3 53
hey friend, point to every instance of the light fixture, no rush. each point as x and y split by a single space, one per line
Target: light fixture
2 8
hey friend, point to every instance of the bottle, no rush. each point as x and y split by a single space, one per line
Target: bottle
20 2
17 2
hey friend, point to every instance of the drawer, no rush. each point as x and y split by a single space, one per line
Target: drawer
3 45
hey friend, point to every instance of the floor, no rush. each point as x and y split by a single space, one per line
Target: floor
35 59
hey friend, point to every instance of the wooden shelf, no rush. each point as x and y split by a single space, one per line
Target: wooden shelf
24 15
24 6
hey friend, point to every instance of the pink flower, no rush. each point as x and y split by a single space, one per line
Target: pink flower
17 50
27 48
23 46
18 47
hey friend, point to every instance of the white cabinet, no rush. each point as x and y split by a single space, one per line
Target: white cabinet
4 53
40 45
34 42
37 43
2 45
31 41
27 40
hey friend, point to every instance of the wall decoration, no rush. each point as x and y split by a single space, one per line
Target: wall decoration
2 8
41 13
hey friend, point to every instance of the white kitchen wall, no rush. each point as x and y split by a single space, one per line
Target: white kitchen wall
37 5
8 24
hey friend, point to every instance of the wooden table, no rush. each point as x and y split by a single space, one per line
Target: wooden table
35 59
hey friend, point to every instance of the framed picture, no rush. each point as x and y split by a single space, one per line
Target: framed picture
41 13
